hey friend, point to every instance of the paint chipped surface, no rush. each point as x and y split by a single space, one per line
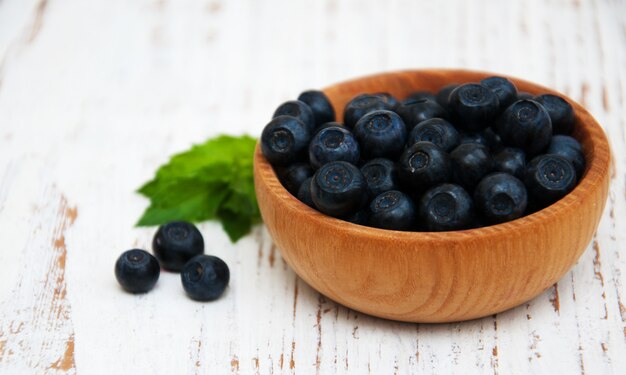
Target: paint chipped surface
95 135
46 323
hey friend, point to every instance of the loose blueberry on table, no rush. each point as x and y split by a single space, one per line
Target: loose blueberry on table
469 155
179 246
137 271
175 243
205 277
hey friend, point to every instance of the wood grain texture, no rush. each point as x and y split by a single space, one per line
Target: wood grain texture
429 276
107 90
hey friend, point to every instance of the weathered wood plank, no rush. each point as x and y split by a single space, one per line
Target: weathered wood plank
95 95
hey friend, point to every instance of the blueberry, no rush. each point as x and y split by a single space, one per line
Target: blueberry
417 110
392 210
362 105
500 197
389 99
332 144
524 96
299 110
526 125
205 277
470 162
504 89
533 206
568 141
549 178
560 111
293 176
381 175
328 125
137 271
338 189
423 165
492 139
304 193
443 96
570 149
437 131
380 134
474 137
321 107
512 161
362 217
421 95
473 106
175 243
446 207
285 140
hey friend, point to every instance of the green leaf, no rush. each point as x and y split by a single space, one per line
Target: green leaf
235 225
224 149
184 200
213 180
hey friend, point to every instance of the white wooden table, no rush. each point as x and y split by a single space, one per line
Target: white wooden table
95 95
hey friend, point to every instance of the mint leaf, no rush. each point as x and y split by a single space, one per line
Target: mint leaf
234 224
213 180
220 150
184 200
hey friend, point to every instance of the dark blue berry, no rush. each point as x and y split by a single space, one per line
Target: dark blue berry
338 189
137 271
494 143
364 104
299 110
304 193
328 125
389 99
362 217
549 178
437 131
533 206
473 106
526 125
175 243
560 111
568 141
381 175
380 134
323 111
421 95
470 162
443 96
570 149
205 277
333 143
446 207
504 89
285 140
417 110
512 161
474 137
392 210
500 197
423 165
524 96
294 175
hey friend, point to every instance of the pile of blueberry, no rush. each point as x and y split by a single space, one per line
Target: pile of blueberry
468 156
179 247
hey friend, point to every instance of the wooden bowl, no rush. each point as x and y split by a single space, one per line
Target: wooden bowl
436 276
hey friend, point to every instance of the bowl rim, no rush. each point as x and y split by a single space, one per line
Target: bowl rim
596 168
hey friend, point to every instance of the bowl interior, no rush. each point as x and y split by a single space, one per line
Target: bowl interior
401 84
